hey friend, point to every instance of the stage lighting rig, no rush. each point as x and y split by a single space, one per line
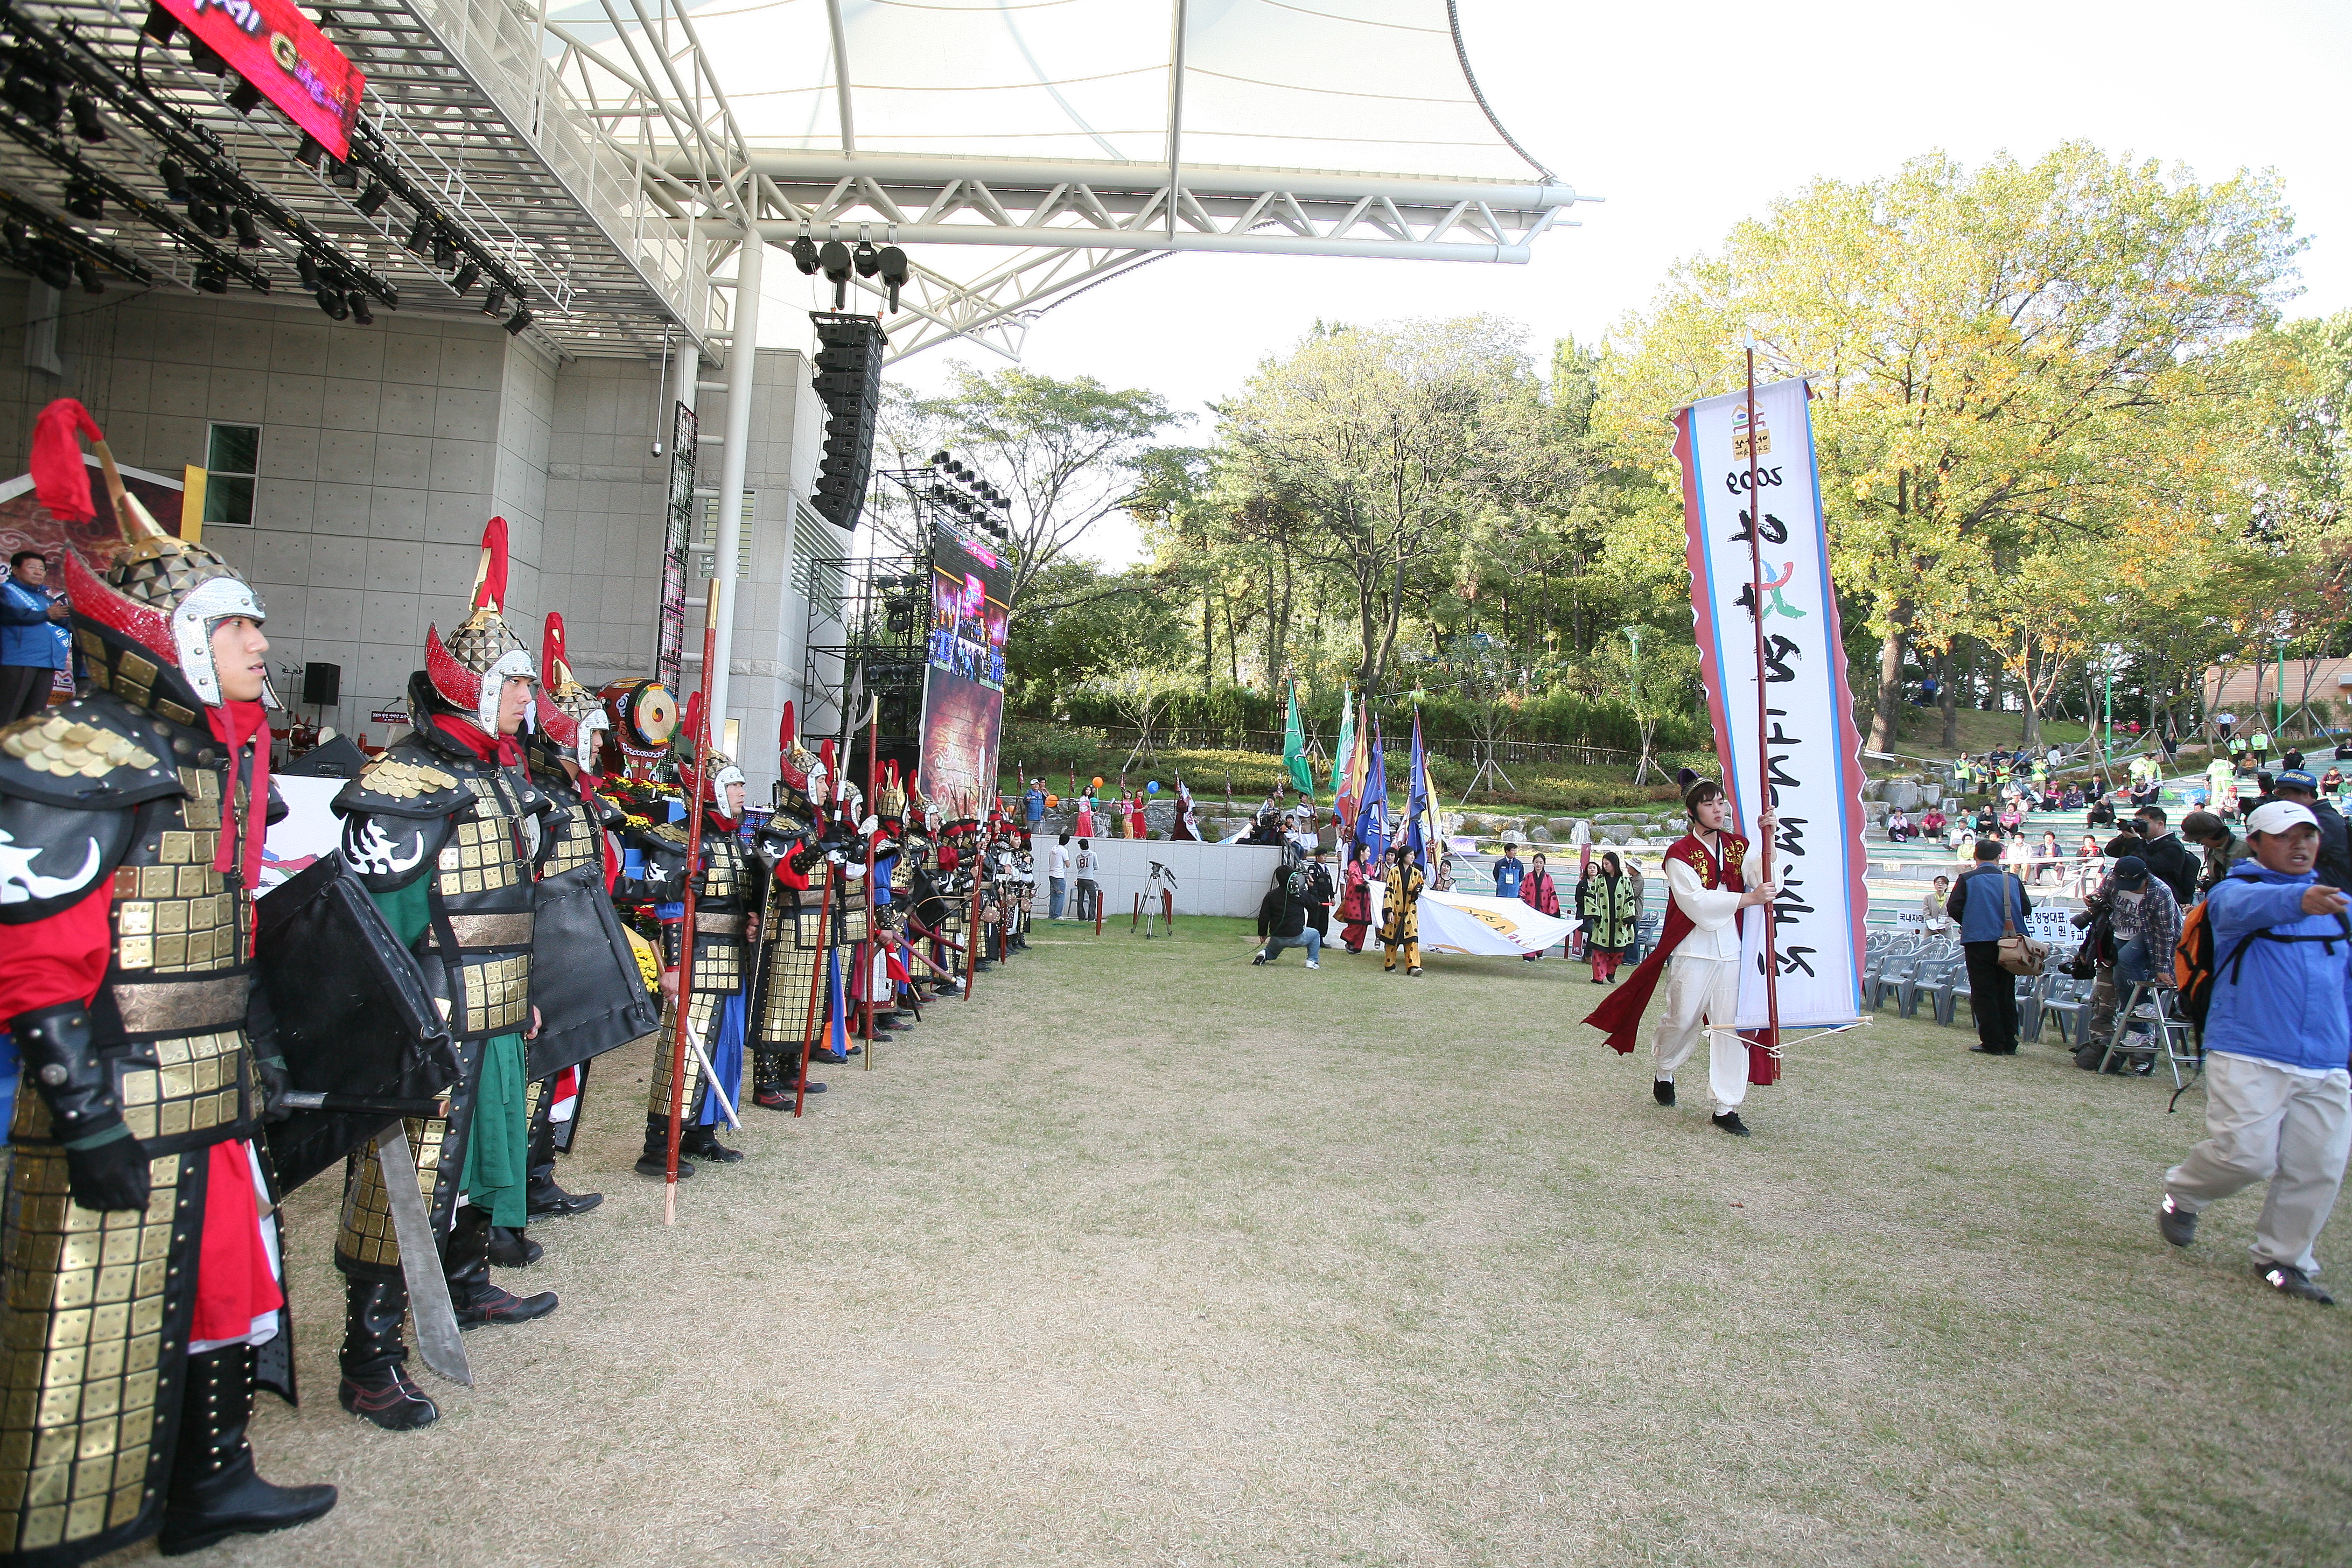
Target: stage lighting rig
804 255
467 276
372 199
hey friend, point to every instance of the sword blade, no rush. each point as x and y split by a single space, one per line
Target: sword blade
420 1260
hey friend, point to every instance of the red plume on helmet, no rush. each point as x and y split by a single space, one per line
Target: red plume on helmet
483 645
562 727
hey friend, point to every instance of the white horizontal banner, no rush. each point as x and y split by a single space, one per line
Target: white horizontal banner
1487 928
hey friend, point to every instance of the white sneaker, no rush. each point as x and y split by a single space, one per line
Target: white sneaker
1312 965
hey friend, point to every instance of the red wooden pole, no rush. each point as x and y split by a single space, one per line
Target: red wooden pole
1763 721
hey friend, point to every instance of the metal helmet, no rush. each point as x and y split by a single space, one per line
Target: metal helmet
571 714
162 596
479 657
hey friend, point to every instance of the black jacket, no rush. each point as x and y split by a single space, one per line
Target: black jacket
1280 916
2170 860
2335 867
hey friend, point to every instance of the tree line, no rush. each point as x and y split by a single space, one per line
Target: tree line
2069 441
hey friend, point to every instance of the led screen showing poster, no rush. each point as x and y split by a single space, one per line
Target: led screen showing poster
272 45
963 686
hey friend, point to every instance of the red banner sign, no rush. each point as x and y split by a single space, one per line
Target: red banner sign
273 45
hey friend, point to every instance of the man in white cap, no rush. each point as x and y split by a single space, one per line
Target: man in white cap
2278 1034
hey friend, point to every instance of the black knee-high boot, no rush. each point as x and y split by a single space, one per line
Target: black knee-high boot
466 1260
547 1200
215 1492
376 1383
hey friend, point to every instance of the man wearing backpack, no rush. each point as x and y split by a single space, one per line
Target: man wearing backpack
1987 903
2278 1036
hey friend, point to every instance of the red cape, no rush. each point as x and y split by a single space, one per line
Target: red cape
1620 1013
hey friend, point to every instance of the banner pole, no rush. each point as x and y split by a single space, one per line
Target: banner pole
1763 720
698 738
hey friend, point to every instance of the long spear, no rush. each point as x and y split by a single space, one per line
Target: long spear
872 945
816 980
1763 723
697 737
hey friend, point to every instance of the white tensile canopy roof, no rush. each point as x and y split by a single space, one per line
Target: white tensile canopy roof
1019 148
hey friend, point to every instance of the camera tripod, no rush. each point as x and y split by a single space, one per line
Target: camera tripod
1156 903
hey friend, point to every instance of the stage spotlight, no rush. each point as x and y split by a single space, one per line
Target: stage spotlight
84 199
938 460
308 270
312 151
212 278
345 176
86 122
372 200
248 237
29 90
445 254
834 258
207 217
205 58
175 179
467 276
866 259
495 303
12 237
521 319
805 254
420 238
160 25
362 311
53 264
92 283
332 301
245 97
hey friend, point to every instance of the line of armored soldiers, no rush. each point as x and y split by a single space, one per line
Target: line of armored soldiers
190 1054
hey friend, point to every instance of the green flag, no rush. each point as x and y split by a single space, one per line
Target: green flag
1293 748
1347 740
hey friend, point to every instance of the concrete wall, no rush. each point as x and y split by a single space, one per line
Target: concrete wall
1210 879
383 450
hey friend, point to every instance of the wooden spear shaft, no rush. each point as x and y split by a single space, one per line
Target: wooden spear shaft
1763 718
698 740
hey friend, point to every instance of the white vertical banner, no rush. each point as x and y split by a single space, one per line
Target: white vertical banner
1801 752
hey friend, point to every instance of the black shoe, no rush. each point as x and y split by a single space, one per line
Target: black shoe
703 1144
855 1048
214 1492
390 1398
2175 1224
2288 1280
549 1201
1256 959
1729 1121
657 1166
513 1249
1984 1050
827 1054
490 1305
1662 1091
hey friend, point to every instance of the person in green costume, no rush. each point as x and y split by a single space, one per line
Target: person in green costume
443 830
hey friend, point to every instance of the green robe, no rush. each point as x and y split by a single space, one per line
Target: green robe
497 1142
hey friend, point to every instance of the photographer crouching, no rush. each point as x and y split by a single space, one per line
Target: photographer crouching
2278 1039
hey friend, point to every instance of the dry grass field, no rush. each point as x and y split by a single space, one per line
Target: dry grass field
1144 1255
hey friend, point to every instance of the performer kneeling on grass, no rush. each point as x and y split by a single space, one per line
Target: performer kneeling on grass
2278 1099
1698 952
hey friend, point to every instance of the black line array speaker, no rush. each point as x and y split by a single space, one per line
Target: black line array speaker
849 384
322 685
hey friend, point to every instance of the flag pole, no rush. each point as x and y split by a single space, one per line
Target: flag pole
698 738
1763 719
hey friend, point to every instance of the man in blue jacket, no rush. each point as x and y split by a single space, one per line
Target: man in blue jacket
2278 1039
33 640
1987 903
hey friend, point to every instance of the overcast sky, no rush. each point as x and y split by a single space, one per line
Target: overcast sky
1689 118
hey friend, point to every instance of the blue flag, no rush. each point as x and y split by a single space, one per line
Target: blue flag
837 1037
1417 821
1371 817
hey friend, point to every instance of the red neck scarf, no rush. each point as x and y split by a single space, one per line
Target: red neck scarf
235 725
502 749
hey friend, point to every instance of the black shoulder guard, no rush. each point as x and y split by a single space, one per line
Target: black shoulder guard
95 753
51 857
606 815
390 852
403 781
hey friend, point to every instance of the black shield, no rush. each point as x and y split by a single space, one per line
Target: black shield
583 976
353 1015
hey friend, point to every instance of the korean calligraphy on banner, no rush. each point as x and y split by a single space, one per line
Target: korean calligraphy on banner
1808 752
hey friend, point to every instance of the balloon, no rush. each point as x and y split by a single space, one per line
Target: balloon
1153 786
1098 780
1052 801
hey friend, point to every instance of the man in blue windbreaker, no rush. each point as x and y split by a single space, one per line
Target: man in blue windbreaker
2278 1039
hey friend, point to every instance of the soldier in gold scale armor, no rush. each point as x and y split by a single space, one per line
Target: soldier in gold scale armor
718 950
794 924
443 830
143 1303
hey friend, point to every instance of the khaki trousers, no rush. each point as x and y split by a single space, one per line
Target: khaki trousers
2266 1124
1699 989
